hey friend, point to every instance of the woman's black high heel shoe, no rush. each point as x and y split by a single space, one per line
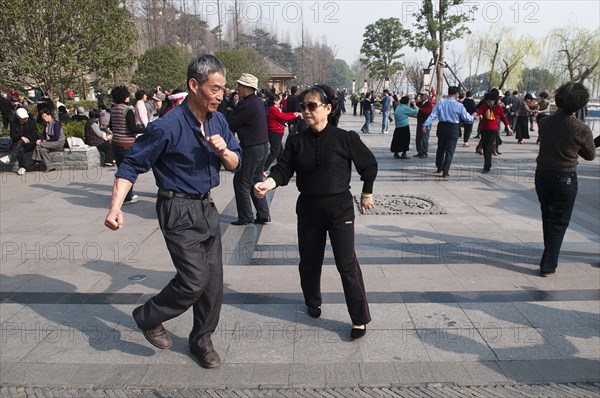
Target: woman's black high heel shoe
356 333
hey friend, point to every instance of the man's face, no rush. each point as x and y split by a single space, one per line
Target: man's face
209 95
244 90
23 120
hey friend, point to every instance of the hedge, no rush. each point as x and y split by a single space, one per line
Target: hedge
72 128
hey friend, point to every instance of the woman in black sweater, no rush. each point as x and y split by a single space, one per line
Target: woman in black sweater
322 157
563 138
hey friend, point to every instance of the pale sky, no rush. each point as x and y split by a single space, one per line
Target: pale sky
343 22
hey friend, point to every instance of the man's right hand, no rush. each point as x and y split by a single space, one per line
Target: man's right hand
114 219
25 140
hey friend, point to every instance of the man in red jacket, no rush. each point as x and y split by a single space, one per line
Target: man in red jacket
275 120
422 139
490 111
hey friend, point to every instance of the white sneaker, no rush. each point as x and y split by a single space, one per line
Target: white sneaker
5 159
21 171
134 199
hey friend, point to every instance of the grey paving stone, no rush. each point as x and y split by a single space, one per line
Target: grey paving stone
390 317
522 371
410 373
236 375
108 375
392 346
325 347
103 345
585 344
455 345
378 374
519 343
30 374
342 375
17 341
181 376
307 375
494 315
569 370
485 373
450 372
255 345
438 316
271 374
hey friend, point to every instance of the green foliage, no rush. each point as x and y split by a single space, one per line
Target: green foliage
74 128
244 61
164 66
536 80
340 75
479 83
55 44
441 23
381 47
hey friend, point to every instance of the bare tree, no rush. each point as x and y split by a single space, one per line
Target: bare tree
576 52
413 72
475 51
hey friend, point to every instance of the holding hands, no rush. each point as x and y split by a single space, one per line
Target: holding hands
366 202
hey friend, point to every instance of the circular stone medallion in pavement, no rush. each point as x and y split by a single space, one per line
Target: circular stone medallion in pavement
403 204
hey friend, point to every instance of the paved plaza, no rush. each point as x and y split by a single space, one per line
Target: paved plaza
457 302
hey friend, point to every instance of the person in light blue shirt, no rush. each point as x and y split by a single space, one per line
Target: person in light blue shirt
386 106
450 113
401 139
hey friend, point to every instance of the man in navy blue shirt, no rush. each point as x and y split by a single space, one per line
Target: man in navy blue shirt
185 150
249 121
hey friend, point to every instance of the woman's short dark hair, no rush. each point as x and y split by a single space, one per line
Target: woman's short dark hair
202 66
61 109
494 94
571 97
272 98
139 95
327 96
119 94
528 96
404 100
47 111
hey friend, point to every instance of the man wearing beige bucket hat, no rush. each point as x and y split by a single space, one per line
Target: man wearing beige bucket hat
249 121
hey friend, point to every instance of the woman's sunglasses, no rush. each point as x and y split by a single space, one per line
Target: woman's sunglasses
311 106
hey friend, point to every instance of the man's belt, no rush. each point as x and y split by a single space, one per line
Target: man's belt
168 194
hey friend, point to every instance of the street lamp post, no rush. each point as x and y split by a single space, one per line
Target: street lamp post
426 80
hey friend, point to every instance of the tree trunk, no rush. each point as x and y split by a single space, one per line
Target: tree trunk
497 44
439 67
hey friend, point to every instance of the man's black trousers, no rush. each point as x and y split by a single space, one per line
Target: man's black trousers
193 237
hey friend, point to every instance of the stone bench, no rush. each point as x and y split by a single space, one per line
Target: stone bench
76 159
83 158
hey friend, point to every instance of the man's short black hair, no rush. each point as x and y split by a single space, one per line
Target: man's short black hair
453 90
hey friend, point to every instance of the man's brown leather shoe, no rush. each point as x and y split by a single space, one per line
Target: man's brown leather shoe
206 354
158 337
